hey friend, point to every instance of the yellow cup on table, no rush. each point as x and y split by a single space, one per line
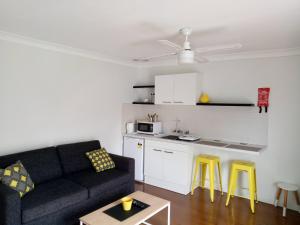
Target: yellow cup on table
127 203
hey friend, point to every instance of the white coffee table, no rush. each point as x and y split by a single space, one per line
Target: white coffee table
157 204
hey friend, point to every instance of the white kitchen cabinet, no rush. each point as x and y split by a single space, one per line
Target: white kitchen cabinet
175 167
164 89
177 89
168 165
154 164
185 89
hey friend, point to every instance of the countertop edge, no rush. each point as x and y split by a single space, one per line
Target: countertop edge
158 138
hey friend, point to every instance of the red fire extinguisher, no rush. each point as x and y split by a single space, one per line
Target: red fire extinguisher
263 99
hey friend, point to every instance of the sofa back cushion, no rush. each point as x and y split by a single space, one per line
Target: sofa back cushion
73 156
41 164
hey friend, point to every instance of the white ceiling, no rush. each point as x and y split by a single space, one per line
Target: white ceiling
127 29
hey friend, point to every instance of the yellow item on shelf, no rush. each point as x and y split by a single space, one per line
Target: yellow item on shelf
204 98
127 203
236 167
210 161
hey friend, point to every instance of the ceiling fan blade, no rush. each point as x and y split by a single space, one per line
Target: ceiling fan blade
219 48
201 59
170 44
147 59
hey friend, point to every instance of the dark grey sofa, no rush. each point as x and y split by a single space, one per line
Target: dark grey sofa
66 185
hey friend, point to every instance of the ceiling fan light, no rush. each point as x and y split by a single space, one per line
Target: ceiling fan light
186 57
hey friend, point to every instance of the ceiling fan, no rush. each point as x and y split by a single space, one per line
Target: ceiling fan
185 54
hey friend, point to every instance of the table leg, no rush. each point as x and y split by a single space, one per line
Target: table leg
297 199
277 197
285 202
169 214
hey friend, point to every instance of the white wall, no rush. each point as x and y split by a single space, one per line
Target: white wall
239 80
48 98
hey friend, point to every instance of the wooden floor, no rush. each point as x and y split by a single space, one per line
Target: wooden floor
198 210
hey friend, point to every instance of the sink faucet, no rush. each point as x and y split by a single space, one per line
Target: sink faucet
177 130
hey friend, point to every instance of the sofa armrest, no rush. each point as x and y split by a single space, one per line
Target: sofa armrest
123 163
10 202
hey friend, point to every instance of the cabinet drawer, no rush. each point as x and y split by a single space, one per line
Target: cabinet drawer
165 145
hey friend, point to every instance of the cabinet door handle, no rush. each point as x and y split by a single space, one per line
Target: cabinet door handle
178 102
166 102
168 152
157 150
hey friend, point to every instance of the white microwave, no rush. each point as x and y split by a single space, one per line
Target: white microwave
145 127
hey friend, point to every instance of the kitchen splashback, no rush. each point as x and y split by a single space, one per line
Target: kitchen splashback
241 124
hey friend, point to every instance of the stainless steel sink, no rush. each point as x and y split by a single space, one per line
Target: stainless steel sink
177 138
171 137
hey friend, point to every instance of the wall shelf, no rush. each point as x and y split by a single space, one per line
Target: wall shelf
207 104
144 86
143 103
144 92
226 104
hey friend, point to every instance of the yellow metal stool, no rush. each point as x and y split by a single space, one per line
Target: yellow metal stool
210 161
249 167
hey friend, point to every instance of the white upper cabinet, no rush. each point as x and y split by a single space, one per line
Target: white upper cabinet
164 89
177 89
185 89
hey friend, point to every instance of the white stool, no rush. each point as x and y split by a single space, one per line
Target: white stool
286 188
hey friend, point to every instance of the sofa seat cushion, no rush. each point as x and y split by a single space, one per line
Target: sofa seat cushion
98 183
50 197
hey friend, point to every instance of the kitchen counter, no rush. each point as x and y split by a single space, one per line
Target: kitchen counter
210 143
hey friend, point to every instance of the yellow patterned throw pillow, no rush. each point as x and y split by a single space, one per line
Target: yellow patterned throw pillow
17 178
100 160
